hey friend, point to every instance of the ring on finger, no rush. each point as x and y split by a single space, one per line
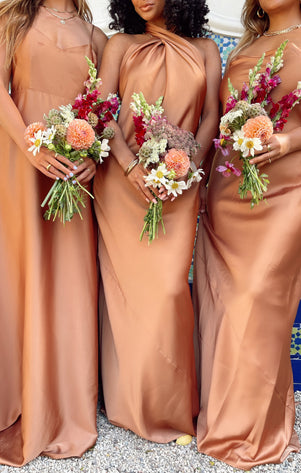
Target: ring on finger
270 161
48 167
269 148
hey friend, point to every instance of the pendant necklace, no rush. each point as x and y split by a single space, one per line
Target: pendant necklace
286 30
62 19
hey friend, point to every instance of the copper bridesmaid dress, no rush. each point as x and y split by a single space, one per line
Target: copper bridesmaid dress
148 366
248 286
48 288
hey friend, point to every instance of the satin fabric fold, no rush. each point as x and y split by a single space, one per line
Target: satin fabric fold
247 289
148 368
48 287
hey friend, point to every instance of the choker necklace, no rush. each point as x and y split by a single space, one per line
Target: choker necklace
286 30
62 19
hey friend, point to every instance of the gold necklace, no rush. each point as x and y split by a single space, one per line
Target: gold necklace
62 19
286 30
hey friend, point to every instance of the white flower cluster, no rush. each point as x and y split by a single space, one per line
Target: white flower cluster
67 114
163 177
228 119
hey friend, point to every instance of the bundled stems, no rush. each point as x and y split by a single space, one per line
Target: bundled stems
252 182
152 220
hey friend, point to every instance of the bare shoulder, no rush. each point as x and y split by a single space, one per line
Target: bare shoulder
208 48
99 35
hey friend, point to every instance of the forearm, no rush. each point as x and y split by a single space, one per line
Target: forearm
119 147
205 135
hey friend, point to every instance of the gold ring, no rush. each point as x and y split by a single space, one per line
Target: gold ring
270 161
48 167
269 148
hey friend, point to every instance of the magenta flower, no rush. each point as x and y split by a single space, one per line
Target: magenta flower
221 143
231 102
228 169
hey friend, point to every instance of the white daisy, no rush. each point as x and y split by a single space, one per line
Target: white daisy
250 145
48 135
196 176
157 177
239 138
175 187
37 142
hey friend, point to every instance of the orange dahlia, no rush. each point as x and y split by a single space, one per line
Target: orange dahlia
80 135
178 161
31 130
258 127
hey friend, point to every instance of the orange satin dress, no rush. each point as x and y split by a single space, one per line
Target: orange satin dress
148 366
247 290
48 286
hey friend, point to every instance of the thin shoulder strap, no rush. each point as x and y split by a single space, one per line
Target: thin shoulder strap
92 31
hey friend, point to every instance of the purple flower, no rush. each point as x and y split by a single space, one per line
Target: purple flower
228 169
221 143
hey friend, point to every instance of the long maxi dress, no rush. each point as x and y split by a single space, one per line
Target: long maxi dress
48 288
148 367
247 288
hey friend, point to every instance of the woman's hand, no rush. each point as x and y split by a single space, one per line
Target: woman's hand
51 164
277 147
85 171
136 178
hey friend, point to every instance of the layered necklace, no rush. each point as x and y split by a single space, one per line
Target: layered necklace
54 12
286 30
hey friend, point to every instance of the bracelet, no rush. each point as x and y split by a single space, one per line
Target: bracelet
131 166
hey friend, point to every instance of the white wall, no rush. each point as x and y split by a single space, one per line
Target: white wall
224 16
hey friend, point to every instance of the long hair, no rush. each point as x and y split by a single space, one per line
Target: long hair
17 16
183 17
254 26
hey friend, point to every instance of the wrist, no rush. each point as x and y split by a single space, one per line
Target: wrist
131 166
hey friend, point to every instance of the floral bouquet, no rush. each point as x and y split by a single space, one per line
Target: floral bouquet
166 151
74 131
250 120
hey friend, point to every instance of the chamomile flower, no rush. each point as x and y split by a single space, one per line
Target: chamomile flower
238 138
48 135
175 187
196 176
250 145
37 142
157 177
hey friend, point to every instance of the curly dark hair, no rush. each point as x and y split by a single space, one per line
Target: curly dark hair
183 17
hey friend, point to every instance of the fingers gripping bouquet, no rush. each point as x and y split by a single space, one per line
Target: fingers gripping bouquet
74 131
251 119
166 152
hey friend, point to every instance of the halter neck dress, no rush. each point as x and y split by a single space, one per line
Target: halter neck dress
148 368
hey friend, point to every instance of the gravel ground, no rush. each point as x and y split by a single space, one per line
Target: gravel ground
120 451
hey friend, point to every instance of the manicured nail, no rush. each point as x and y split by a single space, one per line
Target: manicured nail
57 178
74 181
71 174
74 167
65 178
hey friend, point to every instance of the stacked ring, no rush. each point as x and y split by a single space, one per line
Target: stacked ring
48 167
269 148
